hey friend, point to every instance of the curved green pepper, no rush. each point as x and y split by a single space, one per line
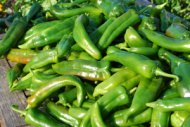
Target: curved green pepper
54 85
62 13
41 59
178 118
96 117
37 118
133 39
173 104
147 91
61 113
114 81
78 113
138 63
87 69
117 27
180 68
178 45
82 38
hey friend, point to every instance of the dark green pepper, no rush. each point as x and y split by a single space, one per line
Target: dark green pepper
88 69
53 85
13 73
179 67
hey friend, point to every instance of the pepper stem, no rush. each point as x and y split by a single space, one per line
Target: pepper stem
15 108
159 72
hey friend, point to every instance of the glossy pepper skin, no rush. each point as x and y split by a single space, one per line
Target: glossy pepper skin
62 13
87 69
149 90
178 117
143 65
13 73
117 27
173 104
64 45
118 120
49 35
41 59
133 39
37 118
96 35
77 112
82 38
61 113
180 68
96 117
54 85
108 102
21 55
115 80
178 45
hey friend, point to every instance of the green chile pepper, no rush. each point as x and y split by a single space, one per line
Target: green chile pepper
37 118
66 97
131 83
133 39
178 45
21 55
179 67
117 27
64 45
42 59
96 35
178 118
96 117
186 122
107 103
54 85
114 81
173 104
62 13
147 51
147 23
50 34
138 63
13 35
87 69
13 73
82 38
177 30
118 120
149 90
79 55
77 112
61 113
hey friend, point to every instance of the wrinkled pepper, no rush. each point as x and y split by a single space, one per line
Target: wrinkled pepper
178 118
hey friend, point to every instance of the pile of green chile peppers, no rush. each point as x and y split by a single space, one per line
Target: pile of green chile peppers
101 63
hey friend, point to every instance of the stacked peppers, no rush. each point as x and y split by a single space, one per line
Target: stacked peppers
101 63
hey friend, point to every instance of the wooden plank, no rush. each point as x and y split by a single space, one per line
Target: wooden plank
9 118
